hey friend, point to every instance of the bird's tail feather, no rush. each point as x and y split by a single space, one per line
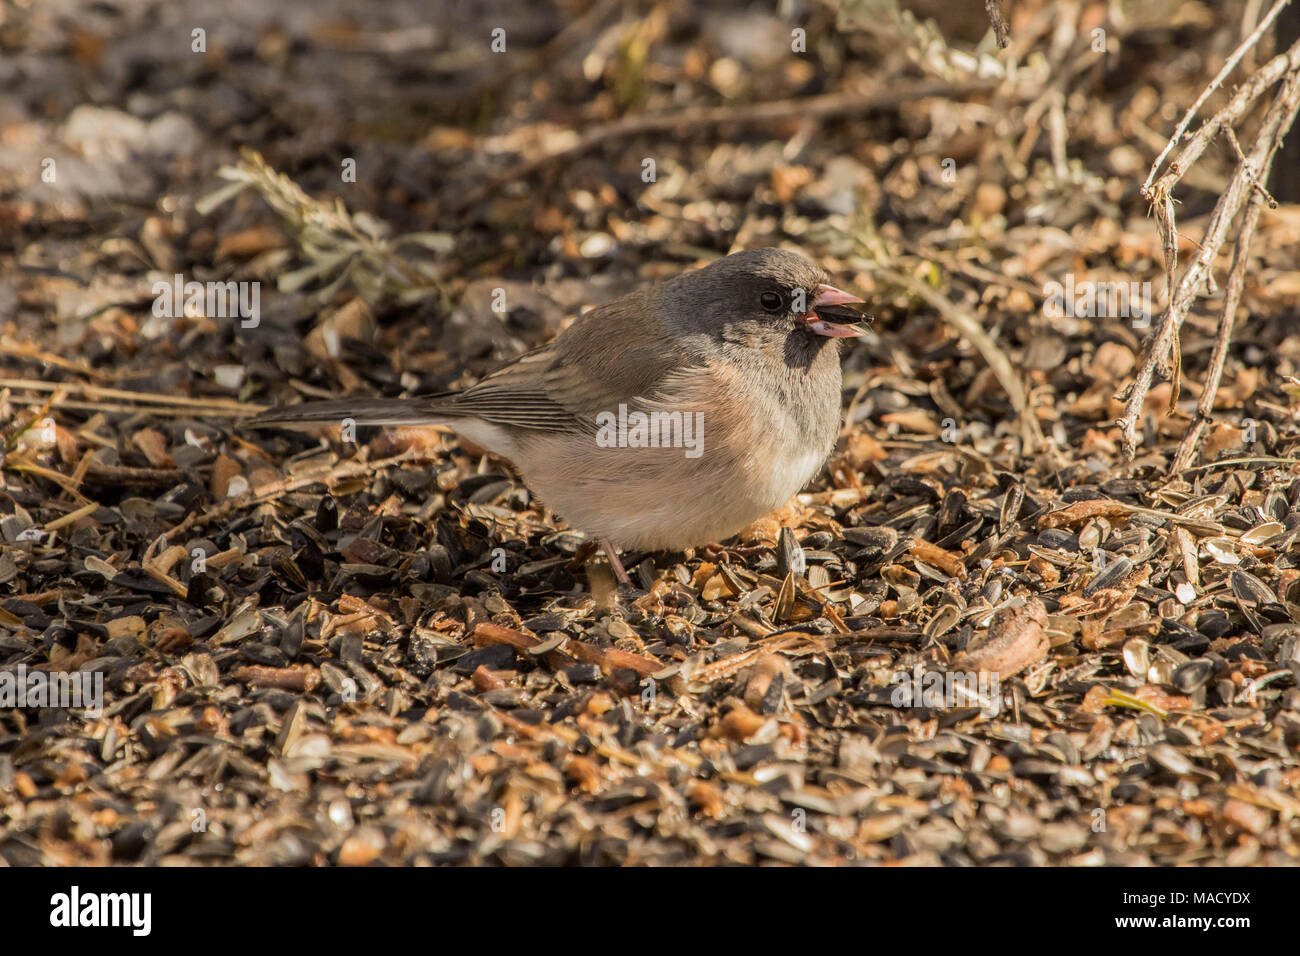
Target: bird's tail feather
361 411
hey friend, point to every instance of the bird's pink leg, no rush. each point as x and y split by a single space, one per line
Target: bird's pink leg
619 572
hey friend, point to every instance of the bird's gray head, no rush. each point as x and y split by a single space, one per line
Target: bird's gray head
760 298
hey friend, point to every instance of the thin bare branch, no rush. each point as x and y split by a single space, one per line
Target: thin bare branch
1001 29
1215 83
1279 118
1227 318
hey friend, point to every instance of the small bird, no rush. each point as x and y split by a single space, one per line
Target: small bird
671 417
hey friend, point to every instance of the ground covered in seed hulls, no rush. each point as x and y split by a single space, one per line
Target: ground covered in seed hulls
385 650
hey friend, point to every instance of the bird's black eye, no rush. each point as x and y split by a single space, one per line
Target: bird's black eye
771 301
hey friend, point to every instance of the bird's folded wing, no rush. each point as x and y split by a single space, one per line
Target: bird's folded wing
514 396
614 354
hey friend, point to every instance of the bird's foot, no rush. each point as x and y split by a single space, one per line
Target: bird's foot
620 573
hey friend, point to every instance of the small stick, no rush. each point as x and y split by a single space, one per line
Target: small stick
14 463
155 411
1241 158
1227 319
72 516
1252 460
126 475
35 353
297 678
157 398
1001 29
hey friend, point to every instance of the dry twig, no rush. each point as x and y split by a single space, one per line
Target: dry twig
196 406
1243 186
1227 317
1001 29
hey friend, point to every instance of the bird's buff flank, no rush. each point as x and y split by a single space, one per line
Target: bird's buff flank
651 430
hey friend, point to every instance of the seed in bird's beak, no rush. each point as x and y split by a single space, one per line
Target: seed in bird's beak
831 316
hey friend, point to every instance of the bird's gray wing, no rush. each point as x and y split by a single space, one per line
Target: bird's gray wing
616 353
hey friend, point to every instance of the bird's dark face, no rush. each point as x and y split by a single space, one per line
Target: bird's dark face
761 298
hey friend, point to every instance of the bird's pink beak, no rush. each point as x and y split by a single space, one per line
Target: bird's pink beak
827 307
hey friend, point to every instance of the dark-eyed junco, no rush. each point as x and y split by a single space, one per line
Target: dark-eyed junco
671 417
